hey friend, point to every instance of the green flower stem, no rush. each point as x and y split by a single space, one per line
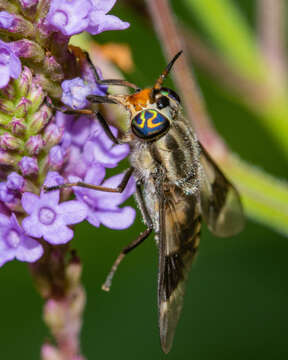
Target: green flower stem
265 198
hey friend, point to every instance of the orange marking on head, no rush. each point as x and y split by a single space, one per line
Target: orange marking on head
140 99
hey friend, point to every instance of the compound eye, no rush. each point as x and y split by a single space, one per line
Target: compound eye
162 102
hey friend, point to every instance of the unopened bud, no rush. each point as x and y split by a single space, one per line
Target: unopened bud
28 3
36 96
22 107
16 24
53 68
24 81
10 142
28 166
17 126
52 135
73 273
7 159
28 49
40 120
35 144
15 181
56 157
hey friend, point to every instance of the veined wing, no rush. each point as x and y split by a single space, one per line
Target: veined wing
220 202
180 224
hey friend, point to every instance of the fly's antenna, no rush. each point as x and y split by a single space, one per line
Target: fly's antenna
165 73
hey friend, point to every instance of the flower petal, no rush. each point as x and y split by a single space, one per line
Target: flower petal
100 22
73 211
59 236
29 200
6 256
32 227
29 250
119 219
110 200
103 5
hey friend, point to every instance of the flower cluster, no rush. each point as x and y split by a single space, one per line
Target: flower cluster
40 147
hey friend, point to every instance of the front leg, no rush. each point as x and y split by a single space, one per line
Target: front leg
119 189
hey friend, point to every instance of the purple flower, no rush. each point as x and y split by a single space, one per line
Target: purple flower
103 207
70 17
6 20
10 65
75 92
14 243
50 219
28 166
73 17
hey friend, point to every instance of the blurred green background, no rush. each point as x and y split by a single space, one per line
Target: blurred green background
236 303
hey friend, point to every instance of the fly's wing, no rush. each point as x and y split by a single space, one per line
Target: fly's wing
180 224
220 202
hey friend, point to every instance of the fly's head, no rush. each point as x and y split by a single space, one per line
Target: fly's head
151 111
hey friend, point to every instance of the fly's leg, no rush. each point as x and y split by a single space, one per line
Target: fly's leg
99 116
119 189
144 235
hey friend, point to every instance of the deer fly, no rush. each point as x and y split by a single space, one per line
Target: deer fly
177 185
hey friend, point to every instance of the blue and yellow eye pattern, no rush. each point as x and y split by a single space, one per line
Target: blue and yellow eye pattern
149 124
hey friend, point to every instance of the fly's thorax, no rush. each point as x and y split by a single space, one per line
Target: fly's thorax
178 155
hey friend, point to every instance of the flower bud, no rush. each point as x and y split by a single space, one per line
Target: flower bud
18 126
36 96
10 142
28 166
6 195
52 135
22 107
53 68
56 157
35 144
24 82
15 181
28 3
28 49
15 24
40 120
7 159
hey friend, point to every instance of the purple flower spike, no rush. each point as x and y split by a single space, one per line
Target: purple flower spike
6 20
10 65
104 207
50 219
15 181
28 166
69 17
14 243
100 149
